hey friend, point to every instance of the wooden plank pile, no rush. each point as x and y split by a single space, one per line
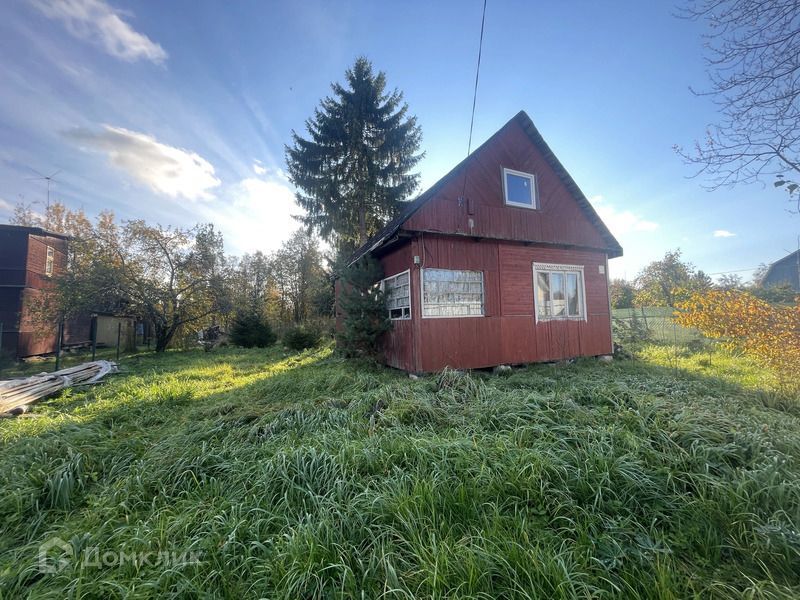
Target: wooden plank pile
17 394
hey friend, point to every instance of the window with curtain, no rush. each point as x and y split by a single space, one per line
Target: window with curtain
559 291
397 289
451 293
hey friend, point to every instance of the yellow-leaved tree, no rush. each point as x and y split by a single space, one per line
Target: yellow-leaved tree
768 333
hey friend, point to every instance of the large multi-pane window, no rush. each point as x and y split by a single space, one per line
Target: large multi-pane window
450 293
398 295
559 291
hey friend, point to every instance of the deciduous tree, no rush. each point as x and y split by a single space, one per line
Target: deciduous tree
622 293
768 333
666 281
753 60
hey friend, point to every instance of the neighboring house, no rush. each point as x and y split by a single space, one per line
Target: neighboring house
784 271
29 258
503 261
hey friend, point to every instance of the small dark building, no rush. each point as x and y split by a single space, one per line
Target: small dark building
29 258
784 271
503 261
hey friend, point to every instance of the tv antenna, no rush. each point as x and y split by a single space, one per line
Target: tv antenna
48 178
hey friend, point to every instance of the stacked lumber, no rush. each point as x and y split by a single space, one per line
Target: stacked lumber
17 394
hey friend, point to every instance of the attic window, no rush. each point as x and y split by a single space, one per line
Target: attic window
519 189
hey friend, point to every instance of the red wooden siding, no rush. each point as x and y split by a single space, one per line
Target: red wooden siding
463 223
508 333
398 344
23 281
559 220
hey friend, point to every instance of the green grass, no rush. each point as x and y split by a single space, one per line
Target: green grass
47 364
304 476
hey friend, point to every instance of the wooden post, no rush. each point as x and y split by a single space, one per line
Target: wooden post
59 339
94 337
119 337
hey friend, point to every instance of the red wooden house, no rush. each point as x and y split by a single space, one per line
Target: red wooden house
29 258
502 261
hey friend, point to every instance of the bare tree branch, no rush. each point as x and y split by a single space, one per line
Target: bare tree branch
753 64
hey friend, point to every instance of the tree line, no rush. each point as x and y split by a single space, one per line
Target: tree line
177 279
352 172
670 281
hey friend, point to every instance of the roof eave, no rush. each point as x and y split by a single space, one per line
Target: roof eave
613 250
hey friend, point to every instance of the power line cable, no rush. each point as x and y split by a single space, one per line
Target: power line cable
477 74
734 271
474 95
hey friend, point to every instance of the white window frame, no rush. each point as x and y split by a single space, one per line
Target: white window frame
422 295
383 289
560 268
49 261
534 189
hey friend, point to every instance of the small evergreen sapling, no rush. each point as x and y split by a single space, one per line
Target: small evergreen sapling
363 306
252 330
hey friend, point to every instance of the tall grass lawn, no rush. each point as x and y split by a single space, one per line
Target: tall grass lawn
261 474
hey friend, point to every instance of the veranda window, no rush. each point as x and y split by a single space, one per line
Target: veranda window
398 295
451 293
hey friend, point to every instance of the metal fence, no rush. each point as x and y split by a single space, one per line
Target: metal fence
651 324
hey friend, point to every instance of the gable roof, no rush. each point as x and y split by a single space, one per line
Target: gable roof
789 261
386 234
788 257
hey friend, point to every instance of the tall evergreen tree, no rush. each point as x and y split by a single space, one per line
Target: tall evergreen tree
354 170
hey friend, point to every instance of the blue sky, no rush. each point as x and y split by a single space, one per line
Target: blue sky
177 112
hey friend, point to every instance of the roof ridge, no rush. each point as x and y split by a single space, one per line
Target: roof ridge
376 240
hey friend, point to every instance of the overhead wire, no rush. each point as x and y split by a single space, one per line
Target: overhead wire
475 94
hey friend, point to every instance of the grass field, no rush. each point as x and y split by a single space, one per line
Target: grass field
258 474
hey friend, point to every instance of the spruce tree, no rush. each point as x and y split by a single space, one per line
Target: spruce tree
354 170
364 315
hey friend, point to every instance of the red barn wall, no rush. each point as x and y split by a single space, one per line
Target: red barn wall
559 219
398 344
508 332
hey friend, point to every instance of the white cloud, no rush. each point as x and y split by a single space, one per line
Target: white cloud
621 222
6 206
723 233
258 215
258 168
165 169
98 23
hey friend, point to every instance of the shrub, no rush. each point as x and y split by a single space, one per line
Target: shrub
363 308
630 331
300 337
252 330
769 334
